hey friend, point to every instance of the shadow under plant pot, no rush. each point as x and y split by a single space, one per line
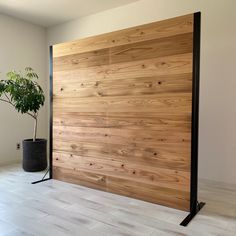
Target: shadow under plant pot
34 155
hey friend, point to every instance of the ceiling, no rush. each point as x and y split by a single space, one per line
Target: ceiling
52 12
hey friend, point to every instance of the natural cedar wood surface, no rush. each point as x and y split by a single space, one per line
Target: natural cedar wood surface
122 106
156 30
178 44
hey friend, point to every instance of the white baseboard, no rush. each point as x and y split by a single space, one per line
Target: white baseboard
217 183
10 162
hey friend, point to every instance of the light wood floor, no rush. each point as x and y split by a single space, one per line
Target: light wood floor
56 208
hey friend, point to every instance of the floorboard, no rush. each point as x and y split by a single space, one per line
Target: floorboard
58 208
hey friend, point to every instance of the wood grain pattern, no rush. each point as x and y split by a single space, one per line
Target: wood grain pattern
169 65
157 176
128 120
124 87
161 29
118 136
147 103
178 44
83 60
122 105
161 156
126 187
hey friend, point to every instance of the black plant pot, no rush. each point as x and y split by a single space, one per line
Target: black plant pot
34 155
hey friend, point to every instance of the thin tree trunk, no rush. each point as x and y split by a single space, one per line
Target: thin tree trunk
35 116
35 128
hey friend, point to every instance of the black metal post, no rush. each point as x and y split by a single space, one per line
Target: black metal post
51 112
49 170
195 206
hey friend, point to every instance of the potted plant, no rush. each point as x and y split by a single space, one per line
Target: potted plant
21 91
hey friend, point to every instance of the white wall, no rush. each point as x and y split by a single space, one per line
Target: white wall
218 61
21 45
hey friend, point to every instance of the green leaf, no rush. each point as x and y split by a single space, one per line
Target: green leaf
24 93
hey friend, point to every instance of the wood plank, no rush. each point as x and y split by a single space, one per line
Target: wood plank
151 175
82 60
181 83
128 120
173 198
161 29
165 156
150 103
177 44
118 136
169 65
87 179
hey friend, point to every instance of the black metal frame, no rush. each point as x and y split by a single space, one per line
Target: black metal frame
43 179
49 169
195 206
51 112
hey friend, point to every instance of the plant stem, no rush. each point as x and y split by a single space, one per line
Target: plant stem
31 115
3 100
35 128
7 97
35 116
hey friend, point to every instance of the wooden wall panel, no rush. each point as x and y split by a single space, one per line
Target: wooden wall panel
122 105
156 30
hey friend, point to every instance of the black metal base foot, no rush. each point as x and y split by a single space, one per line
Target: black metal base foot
192 215
43 179
39 181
